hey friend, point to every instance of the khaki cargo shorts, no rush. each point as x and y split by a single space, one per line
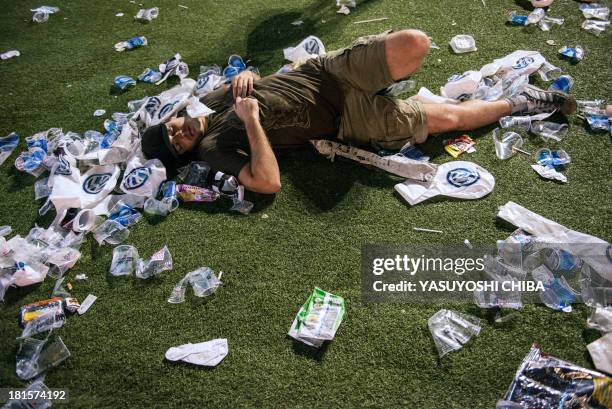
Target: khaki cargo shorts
368 119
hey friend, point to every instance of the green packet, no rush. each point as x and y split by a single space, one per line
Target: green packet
318 319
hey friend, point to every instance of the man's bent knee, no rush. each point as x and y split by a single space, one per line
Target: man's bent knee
411 42
405 50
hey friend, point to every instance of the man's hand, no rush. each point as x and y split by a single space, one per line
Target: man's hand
247 110
242 84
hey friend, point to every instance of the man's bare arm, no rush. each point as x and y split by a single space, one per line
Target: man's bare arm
261 174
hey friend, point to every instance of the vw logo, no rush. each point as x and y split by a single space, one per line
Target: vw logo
63 167
166 108
202 81
523 62
312 47
462 177
95 183
152 105
136 178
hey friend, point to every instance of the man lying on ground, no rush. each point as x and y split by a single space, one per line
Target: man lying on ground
337 95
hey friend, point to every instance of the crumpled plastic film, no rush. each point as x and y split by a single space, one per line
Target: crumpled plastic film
451 330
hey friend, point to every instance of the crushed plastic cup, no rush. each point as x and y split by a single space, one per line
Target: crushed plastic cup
595 26
596 106
523 122
549 72
547 22
123 82
150 76
550 130
147 15
564 84
595 11
84 221
463 43
36 388
31 161
157 207
204 282
125 259
59 290
160 261
505 147
35 356
451 330
573 53
598 123
7 146
547 157
9 54
601 319
5 230
124 214
131 43
111 232
557 294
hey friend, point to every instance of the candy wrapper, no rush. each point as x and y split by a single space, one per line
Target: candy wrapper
318 319
546 382
455 147
188 193
42 316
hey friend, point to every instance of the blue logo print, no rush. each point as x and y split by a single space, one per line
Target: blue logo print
166 108
152 105
136 178
462 177
312 47
63 167
95 183
523 62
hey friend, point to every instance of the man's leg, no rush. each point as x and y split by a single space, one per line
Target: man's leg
404 52
464 116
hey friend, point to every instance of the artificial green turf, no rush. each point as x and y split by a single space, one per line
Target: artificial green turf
383 355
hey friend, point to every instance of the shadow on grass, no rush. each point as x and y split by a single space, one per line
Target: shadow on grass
316 354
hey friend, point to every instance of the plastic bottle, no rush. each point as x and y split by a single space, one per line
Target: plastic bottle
564 83
516 19
535 16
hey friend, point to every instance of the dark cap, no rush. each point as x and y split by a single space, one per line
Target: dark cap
156 145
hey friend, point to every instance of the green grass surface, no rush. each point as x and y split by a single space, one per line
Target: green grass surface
383 355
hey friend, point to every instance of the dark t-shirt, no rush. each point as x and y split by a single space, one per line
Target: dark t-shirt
293 108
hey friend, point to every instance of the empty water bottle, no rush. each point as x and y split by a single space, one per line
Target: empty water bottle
550 130
535 16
